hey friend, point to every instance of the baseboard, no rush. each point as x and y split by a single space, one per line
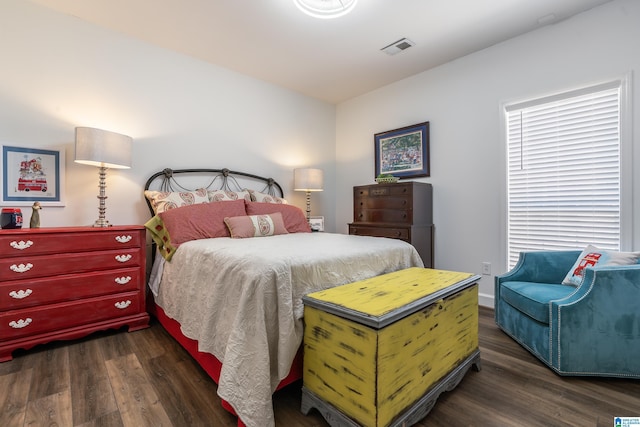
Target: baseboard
486 300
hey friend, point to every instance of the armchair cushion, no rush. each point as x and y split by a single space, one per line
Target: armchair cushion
533 299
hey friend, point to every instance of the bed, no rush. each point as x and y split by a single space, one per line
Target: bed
231 268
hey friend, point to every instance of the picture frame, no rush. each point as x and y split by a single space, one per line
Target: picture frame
403 152
316 223
31 175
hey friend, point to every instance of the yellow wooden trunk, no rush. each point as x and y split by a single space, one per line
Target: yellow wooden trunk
374 348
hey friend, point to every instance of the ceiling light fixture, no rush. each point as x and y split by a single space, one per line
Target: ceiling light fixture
326 9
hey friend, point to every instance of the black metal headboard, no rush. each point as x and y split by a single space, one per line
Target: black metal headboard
219 179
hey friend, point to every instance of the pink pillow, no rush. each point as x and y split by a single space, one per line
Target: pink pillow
255 225
294 219
201 221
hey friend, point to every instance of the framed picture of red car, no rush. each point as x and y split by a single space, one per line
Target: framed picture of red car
403 152
31 175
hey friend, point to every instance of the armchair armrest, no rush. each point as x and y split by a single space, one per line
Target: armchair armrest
541 267
596 327
605 290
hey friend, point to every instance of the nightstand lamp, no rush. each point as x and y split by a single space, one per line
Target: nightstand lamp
105 150
307 180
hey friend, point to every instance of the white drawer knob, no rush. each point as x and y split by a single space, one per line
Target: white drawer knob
20 294
21 268
123 239
21 244
20 323
123 304
123 280
123 258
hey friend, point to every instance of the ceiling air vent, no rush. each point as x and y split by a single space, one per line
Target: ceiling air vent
398 46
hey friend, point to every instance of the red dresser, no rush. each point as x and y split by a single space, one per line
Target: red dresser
64 283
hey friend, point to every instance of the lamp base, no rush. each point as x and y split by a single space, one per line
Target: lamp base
102 196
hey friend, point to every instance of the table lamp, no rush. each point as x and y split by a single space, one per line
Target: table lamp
105 150
308 180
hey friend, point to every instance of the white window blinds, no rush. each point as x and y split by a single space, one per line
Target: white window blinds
563 176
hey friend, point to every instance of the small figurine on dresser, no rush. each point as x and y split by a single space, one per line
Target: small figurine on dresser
35 215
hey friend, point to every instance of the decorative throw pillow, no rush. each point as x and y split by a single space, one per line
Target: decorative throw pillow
160 236
162 201
221 195
294 219
256 196
593 256
255 225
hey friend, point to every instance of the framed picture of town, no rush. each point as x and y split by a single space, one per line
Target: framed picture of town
31 175
404 152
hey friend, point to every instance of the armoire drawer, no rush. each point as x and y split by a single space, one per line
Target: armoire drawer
383 203
377 231
27 293
397 216
383 190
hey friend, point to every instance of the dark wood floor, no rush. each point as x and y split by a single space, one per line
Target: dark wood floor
145 379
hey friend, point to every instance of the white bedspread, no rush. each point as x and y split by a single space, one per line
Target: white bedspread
241 299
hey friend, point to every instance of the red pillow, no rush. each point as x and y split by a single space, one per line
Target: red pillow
294 219
201 221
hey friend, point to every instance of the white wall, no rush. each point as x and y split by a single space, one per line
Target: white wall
461 100
58 72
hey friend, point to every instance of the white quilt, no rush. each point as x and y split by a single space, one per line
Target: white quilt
241 299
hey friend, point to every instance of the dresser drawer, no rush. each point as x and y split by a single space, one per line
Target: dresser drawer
377 231
35 242
28 267
29 321
383 190
383 203
27 293
397 216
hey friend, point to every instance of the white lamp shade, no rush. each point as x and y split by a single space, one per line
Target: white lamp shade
102 148
307 179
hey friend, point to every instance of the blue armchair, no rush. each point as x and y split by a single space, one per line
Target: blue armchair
590 330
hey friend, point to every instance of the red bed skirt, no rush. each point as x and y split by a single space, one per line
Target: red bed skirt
208 361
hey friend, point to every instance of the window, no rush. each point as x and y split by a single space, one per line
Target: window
564 171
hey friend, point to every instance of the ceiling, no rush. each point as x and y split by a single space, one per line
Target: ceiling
332 60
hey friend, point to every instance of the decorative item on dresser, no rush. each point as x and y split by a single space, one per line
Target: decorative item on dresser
399 210
308 180
31 174
64 283
104 149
